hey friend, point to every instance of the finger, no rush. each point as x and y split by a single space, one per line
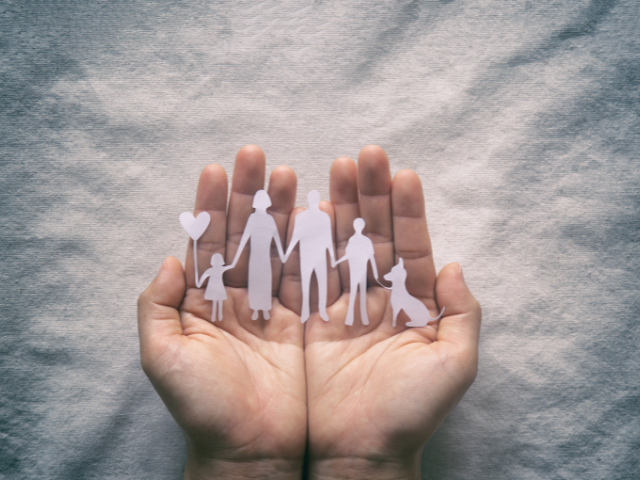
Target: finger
158 315
460 324
282 191
211 197
290 293
248 178
374 183
343 188
411 236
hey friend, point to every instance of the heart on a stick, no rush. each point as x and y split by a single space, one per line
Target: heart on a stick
195 227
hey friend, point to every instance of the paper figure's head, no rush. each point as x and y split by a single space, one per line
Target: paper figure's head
261 200
314 199
358 224
398 274
216 259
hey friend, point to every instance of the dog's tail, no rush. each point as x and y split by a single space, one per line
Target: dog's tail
438 317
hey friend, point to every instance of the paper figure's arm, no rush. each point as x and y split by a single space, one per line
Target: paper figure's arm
295 238
276 237
339 261
243 241
373 265
204 276
226 267
329 242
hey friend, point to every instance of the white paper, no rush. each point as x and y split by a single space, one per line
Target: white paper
359 253
215 290
195 227
401 299
312 230
260 230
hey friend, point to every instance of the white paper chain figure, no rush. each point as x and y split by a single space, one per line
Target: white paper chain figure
359 253
312 229
215 288
195 227
401 299
261 229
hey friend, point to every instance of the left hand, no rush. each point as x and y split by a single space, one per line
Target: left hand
377 393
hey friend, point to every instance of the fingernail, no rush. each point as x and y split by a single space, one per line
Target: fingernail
460 271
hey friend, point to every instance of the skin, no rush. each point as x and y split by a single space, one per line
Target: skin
244 391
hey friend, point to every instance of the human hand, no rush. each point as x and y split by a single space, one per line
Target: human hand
377 393
237 388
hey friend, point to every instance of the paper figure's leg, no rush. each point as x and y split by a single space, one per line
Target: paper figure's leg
305 274
220 310
265 314
352 302
254 315
321 275
363 302
396 311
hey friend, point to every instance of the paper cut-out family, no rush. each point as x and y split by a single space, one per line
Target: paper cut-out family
312 231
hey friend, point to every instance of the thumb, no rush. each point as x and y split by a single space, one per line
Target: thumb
460 324
158 314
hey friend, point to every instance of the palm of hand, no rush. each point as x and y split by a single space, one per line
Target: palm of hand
238 385
375 390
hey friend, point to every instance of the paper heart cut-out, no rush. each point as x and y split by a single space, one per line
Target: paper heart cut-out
195 227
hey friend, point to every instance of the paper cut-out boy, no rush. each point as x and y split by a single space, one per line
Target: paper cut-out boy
359 253
312 229
261 229
401 299
215 288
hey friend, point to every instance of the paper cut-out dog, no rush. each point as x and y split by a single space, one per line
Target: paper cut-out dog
401 299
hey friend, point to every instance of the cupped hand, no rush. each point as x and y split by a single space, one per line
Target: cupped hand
377 393
236 387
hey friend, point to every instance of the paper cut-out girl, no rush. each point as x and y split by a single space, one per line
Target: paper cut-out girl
215 288
359 253
401 299
312 229
261 229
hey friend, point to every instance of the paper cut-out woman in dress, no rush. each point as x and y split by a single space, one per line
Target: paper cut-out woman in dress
401 299
359 253
215 288
312 229
261 229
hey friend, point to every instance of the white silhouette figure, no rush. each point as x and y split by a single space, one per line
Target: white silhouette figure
401 299
215 288
195 227
312 229
262 230
359 253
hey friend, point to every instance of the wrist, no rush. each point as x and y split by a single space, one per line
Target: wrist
264 468
365 468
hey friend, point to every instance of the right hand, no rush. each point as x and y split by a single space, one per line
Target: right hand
236 388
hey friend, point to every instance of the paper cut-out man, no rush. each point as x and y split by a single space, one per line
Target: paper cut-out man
359 253
262 230
401 299
312 229
215 288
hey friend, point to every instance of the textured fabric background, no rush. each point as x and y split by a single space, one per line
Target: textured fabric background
521 117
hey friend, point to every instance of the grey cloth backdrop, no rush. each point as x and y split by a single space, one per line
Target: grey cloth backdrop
520 117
